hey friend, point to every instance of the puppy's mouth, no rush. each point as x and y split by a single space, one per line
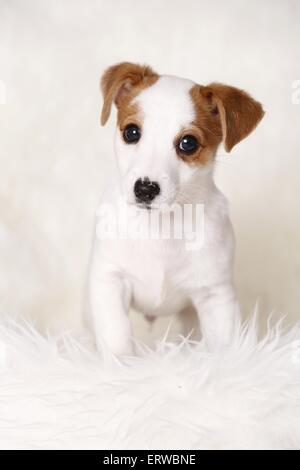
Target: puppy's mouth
150 206
162 206
145 206
163 203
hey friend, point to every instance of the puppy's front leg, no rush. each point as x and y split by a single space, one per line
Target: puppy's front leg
109 304
219 315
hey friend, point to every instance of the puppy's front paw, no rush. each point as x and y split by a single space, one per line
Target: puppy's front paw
115 344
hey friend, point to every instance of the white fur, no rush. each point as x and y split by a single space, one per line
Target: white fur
160 276
57 393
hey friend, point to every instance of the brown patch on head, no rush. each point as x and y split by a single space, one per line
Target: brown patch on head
120 84
222 113
206 128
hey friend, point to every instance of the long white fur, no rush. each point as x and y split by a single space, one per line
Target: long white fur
57 393
161 276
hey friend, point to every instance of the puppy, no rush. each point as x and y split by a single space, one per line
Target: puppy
168 132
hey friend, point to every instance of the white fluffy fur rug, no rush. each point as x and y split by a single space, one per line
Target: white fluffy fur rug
57 393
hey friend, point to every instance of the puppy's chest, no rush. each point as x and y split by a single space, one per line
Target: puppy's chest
160 279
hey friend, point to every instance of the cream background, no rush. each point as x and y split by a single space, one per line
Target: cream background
55 158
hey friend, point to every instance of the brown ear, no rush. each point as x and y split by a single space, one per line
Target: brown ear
239 113
119 79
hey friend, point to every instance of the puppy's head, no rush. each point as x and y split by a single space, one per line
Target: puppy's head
169 128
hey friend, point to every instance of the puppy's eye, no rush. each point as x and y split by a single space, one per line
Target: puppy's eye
188 144
131 134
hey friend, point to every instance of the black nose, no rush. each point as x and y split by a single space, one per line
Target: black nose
145 190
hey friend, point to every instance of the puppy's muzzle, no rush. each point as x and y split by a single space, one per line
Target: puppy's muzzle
145 191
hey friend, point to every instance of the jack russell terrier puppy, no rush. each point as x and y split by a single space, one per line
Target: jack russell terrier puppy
168 132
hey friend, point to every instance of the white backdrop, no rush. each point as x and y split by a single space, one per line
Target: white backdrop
55 158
